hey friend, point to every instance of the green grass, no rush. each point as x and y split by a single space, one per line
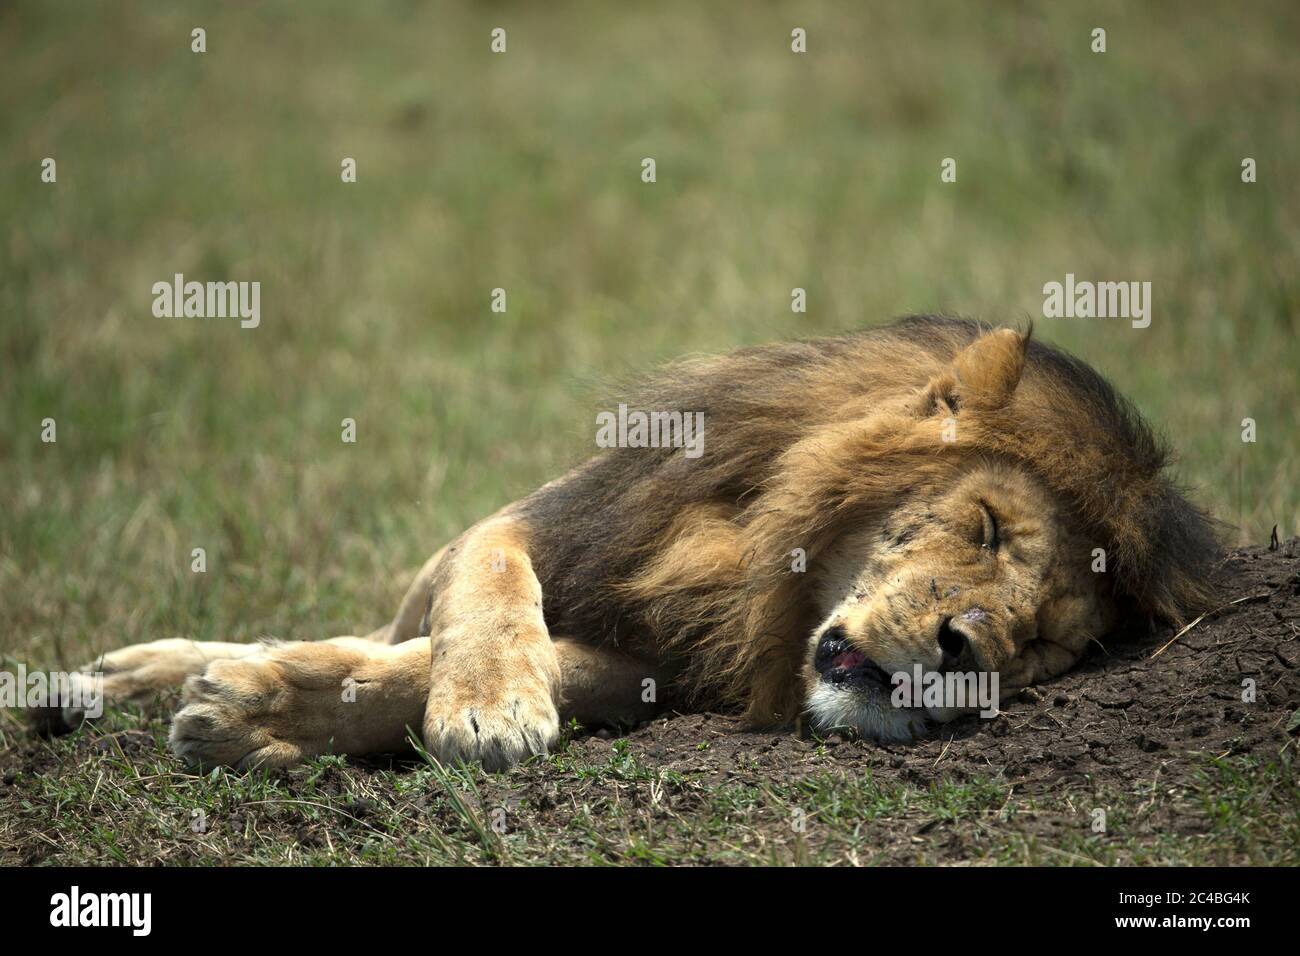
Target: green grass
522 171
623 809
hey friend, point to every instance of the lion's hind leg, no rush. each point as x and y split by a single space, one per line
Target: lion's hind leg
602 686
295 701
136 674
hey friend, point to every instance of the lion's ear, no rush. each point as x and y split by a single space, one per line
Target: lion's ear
983 375
988 370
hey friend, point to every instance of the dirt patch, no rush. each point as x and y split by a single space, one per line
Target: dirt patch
1132 730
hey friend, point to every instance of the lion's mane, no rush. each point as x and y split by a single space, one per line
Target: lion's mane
645 546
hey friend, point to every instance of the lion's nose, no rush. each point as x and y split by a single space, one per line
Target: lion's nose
952 642
835 632
834 641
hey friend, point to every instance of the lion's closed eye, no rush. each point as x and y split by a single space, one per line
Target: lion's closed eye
990 536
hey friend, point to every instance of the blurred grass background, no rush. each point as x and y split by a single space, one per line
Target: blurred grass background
522 170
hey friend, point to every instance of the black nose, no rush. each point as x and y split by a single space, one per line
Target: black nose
952 642
834 641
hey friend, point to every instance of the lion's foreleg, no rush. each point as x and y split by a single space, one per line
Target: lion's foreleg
495 672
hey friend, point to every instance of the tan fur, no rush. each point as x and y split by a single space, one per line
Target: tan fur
882 458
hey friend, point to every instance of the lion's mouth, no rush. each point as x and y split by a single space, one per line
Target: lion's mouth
840 663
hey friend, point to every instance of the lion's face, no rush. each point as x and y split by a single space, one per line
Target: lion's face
981 576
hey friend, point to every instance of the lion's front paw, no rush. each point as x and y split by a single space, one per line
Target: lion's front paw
234 715
516 722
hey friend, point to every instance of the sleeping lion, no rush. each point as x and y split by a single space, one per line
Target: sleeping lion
936 496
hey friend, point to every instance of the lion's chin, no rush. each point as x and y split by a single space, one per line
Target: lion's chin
863 711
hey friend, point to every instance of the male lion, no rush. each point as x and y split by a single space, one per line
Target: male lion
936 493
